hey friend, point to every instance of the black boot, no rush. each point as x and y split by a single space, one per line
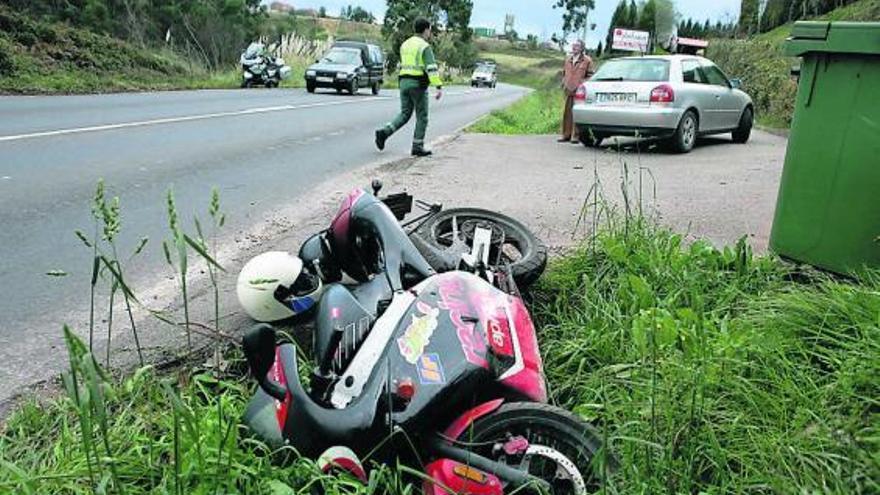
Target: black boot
381 137
420 152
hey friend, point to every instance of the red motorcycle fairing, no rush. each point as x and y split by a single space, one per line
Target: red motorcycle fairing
445 476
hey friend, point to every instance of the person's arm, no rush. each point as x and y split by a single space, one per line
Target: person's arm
433 70
591 68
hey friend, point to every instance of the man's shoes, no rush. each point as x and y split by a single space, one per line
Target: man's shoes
421 152
381 137
563 140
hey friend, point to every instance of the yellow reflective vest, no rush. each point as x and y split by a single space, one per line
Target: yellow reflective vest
417 60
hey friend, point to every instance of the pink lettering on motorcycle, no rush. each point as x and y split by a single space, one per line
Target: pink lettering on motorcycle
452 299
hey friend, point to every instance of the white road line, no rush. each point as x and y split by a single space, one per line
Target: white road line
189 118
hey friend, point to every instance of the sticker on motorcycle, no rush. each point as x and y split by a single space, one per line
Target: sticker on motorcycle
431 369
417 335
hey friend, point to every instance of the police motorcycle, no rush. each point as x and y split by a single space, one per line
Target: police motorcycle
259 67
439 371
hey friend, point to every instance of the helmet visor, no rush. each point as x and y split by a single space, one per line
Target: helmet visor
304 285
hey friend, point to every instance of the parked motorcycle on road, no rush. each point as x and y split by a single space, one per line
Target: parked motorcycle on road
440 371
259 67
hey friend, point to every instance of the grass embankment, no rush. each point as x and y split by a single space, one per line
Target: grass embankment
765 71
43 57
710 371
538 113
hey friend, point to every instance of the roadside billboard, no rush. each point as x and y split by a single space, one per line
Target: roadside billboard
630 40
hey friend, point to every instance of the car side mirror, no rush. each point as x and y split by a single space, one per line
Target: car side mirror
259 349
736 83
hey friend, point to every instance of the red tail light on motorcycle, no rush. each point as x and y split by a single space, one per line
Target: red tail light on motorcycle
405 390
662 94
581 94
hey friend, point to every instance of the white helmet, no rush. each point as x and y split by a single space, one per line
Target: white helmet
273 286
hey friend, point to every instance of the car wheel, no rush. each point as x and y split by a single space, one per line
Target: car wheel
353 86
339 91
685 136
376 88
310 87
742 133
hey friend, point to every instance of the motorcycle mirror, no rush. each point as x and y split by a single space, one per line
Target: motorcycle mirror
377 186
259 349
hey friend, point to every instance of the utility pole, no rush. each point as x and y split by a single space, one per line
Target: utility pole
586 22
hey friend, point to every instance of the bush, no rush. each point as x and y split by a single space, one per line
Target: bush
765 72
7 60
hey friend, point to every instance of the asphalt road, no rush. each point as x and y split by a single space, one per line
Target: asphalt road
263 149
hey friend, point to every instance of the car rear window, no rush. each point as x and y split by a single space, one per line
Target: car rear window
633 69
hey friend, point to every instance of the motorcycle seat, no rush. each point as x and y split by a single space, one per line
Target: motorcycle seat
317 426
340 310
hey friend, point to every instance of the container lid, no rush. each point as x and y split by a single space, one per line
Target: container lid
833 37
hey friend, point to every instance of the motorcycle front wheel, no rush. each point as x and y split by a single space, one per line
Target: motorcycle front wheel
512 244
562 449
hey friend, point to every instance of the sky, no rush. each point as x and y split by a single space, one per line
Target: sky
538 17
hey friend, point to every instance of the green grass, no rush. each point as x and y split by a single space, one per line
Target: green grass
38 57
714 371
540 112
710 371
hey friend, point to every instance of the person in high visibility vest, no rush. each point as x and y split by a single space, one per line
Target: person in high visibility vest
418 71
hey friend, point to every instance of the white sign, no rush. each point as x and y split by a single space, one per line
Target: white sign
631 41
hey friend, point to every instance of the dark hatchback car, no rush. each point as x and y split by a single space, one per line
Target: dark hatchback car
348 66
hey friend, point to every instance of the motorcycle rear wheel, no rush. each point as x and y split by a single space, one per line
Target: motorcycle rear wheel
518 246
563 449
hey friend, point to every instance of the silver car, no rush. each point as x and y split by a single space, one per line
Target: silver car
675 97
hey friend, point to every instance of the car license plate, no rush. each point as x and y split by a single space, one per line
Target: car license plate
616 97
325 79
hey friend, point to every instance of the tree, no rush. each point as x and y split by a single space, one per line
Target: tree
632 15
647 17
618 19
575 14
532 41
748 17
322 11
599 50
453 36
356 14
664 22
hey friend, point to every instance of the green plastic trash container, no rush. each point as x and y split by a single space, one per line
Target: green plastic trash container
828 209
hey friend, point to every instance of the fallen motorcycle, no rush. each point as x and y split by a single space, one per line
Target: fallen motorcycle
439 371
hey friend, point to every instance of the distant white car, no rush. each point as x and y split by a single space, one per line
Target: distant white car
675 97
484 75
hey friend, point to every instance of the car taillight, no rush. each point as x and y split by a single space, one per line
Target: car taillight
580 94
662 94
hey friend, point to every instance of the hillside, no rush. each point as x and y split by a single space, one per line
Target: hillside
765 71
46 57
